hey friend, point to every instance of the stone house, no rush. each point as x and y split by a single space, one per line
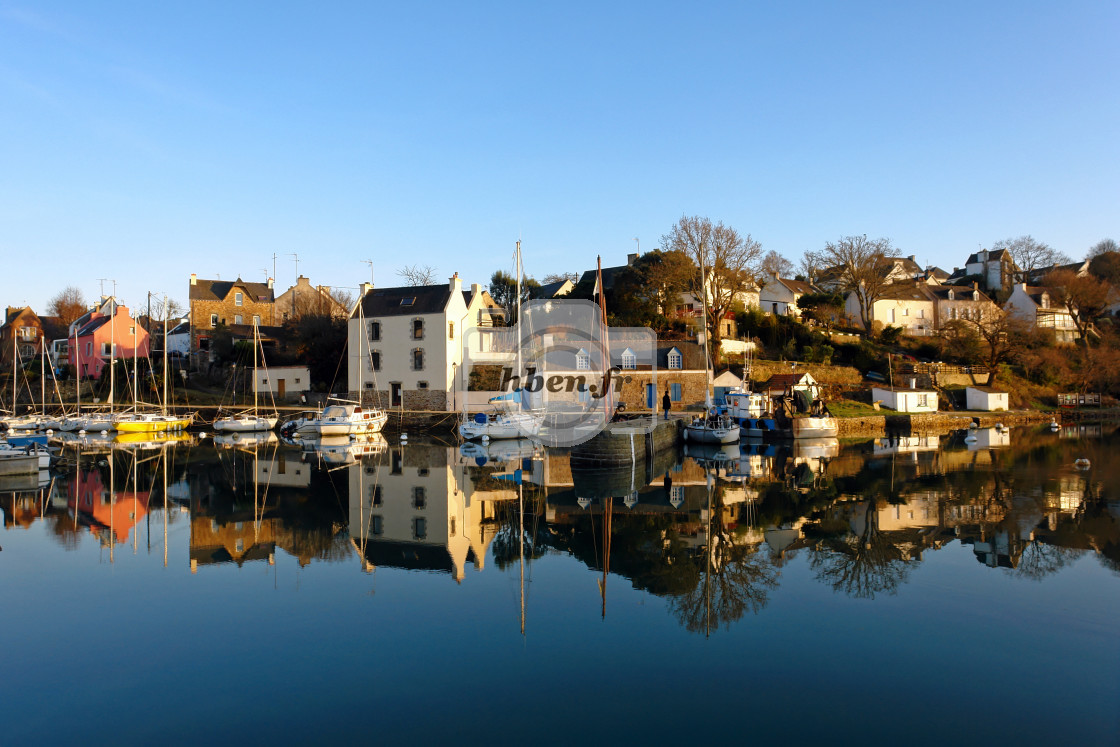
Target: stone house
1037 305
680 371
22 335
226 303
406 343
305 298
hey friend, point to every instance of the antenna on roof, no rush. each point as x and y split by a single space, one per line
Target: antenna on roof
370 263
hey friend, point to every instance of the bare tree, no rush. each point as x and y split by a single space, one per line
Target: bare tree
862 266
1102 247
1001 332
418 274
1030 255
810 266
776 265
67 305
559 277
1085 296
729 262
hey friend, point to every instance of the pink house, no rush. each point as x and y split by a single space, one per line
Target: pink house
97 337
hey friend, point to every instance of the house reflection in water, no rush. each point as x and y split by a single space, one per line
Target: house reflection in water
429 507
110 515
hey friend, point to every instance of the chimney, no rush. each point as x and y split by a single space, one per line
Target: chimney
911 258
270 283
975 285
631 259
363 289
476 288
455 283
194 279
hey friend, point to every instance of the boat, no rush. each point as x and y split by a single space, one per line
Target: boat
509 419
337 420
248 422
18 463
714 426
44 454
799 415
485 426
149 422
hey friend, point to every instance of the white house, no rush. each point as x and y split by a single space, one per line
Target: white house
282 381
779 296
406 344
179 339
985 399
905 400
1039 306
906 305
997 268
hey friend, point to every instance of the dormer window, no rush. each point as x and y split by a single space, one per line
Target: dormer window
975 295
1044 301
629 360
951 296
675 359
583 360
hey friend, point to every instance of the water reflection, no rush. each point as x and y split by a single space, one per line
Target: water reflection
709 530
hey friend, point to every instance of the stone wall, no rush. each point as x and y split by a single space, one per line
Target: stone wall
227 310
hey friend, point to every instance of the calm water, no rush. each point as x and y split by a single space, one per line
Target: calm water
916 590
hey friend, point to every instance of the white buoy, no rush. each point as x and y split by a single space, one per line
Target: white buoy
202 435
50 431
485 438
82 432
1082 463
104 433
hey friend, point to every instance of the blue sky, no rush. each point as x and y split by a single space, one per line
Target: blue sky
144 141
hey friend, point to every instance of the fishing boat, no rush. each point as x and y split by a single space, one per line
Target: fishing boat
18 463
247 422
714 426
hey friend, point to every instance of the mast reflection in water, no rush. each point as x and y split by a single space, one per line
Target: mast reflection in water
329 563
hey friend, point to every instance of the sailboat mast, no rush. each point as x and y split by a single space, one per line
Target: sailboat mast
704 328
112 352
256 341
135 374
521 535
164 355
43 375
517 270
77 370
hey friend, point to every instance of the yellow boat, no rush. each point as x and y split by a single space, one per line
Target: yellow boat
152 438
150 423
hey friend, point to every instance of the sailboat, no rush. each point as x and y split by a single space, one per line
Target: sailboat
347 418
249 422
714 426
15 422
148 422
511 421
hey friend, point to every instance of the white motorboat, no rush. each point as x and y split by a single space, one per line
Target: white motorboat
44 454
338 420
500 425
815 426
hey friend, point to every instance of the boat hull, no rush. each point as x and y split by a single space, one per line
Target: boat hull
815 427
249 424
706 435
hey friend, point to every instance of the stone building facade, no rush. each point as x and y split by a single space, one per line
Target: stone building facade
226 303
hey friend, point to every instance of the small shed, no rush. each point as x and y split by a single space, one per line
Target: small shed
905 400
782 384
724 383
985 399
283 381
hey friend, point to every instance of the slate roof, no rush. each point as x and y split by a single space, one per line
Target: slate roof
785 381
610 274
549 290
904 292
91 327
182 328
427 299
974 258
963 292
799 287
218 290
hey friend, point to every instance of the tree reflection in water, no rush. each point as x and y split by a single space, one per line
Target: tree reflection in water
736 577
864 564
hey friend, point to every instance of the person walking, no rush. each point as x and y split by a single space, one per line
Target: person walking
666 403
